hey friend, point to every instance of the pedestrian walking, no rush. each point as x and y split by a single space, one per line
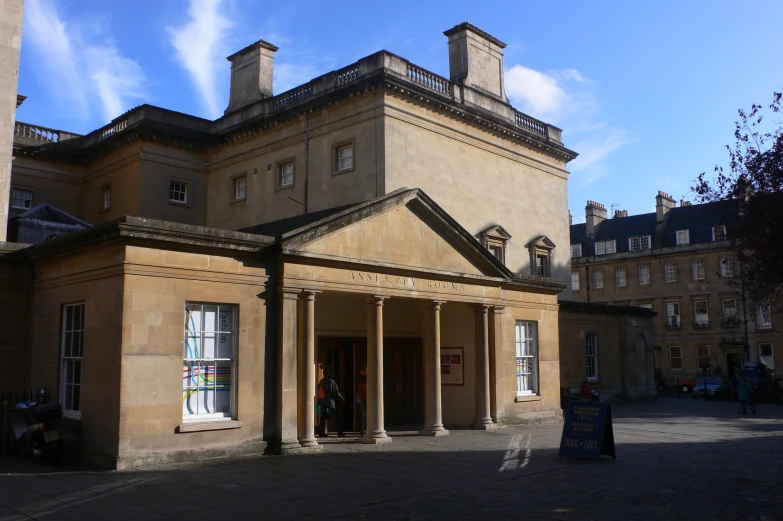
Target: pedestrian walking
744 391
331 393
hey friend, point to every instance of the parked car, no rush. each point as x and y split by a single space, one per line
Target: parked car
688 385
707 386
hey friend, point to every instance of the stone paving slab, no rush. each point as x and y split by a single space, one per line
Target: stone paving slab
677 459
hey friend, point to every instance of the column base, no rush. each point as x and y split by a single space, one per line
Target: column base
433 432
375 441
308 442
484 426
295 448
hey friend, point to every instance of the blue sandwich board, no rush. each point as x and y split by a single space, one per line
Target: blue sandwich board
587 431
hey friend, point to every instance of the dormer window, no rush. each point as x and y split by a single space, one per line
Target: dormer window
719 233
541 256
683 237
495 239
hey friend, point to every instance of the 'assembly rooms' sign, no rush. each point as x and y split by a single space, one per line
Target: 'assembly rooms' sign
406 282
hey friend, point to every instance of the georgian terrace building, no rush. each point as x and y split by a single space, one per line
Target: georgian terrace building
229 263
678 262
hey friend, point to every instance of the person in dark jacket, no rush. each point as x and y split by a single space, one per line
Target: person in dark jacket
331 393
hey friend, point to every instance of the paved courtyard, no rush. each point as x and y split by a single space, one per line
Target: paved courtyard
676 459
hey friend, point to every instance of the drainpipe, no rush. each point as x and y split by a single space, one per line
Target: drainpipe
587 271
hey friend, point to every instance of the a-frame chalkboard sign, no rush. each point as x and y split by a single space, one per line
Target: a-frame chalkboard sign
587 431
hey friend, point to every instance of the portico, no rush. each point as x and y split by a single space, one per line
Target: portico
413 275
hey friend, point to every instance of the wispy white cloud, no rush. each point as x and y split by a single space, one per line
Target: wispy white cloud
201 45
80 63
566 98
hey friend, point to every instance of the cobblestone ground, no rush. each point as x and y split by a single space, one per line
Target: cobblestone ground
676 459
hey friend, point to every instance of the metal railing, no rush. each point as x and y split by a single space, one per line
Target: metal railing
701 324
672 322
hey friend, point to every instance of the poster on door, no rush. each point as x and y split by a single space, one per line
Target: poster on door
452 366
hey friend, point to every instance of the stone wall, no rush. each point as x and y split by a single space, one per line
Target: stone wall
625 351
11 21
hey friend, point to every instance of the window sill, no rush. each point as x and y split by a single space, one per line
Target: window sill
527 398
343 171
286 187
218 425
179 203
238 200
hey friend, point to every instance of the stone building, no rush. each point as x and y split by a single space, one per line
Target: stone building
678 262
380 215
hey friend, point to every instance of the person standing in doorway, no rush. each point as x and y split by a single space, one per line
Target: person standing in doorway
743 393
331 393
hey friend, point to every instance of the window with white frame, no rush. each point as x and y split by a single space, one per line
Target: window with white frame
591 351
672 315
675 357
178 192
576 251
605 247
106 198
639 243
670 272
527 357
72 351
729 308
598 279
285 174
344 158
703 356
697 269
209 365
701 315
766 355
763 317
21 199
683 237
727 266
719 232
575 280
644 274
240 188
620 277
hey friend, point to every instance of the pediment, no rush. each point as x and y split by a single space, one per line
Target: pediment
542 242
405 230
496 232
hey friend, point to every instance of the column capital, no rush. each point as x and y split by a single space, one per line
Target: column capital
309 294
433 303
376 299
480 307
498 309
288 292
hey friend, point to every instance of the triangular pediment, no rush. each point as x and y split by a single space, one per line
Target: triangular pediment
542 241
405 229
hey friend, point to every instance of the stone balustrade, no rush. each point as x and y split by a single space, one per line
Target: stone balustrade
429 80
113 128
292 97
531 124
27 131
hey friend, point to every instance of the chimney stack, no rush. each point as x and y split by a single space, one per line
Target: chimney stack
663 203
476 60
683 202
594 214
252 70
620 213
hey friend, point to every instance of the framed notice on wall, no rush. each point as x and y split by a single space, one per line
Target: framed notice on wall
452 366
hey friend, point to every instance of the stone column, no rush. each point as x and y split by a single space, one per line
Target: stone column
433 425
495 361
306 411
375 431
483 420
287 363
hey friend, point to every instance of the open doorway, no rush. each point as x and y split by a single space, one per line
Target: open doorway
403 384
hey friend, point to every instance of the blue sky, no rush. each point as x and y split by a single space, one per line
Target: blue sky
646 92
